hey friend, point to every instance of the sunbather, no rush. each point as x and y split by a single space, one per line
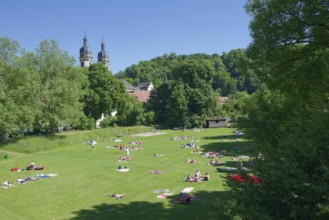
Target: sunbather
124 158
115 195
155 172
186 198
215 162
20 180
122 168
31 178
6 184
190 160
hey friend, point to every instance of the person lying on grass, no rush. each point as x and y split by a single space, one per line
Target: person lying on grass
124 158
122 169
31 178
215 163
185 198
20 180
190 160
115 195
6 184
155 172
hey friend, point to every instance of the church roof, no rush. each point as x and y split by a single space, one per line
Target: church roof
102 55
85 48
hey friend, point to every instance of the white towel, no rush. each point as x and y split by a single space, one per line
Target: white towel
123 170
187 189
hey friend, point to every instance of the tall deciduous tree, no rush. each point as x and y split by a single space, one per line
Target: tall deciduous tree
288 118
60 91
19 89
192 96
158 102
105 94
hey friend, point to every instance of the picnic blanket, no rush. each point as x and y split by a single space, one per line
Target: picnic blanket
239 178
164 195
187 189
46 175
124 170
15 169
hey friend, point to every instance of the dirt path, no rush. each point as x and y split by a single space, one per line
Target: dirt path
147 134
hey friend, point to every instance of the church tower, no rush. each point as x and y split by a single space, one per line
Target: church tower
103 57
86 58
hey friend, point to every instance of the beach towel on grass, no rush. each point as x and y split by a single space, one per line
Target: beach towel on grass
123 170
46 175
187 189
164 195
155 172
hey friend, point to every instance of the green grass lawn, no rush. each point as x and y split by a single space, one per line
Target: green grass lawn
85 175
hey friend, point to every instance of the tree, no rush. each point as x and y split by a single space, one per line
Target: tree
192 94
105 94
177 106
289 115
239 65
61 88
158 102
19 89
161 69
8 50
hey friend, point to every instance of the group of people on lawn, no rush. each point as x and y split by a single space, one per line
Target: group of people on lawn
197 177
6 184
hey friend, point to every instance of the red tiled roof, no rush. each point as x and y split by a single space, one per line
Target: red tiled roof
142 95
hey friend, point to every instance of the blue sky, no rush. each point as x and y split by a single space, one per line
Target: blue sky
133 30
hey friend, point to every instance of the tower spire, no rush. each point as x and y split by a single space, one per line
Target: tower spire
103 57
85 53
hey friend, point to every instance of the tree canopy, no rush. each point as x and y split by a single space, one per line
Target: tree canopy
225 79
288 116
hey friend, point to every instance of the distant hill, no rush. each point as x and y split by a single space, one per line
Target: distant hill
233 72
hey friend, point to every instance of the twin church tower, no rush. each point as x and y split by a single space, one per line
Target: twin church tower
86 58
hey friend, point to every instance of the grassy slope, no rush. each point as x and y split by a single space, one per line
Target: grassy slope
85 175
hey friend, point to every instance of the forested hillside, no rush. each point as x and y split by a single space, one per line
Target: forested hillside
232 71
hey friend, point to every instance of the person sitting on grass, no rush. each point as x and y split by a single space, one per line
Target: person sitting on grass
30 166
206 177
115 195
6 184
249 163
190 179
197 173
